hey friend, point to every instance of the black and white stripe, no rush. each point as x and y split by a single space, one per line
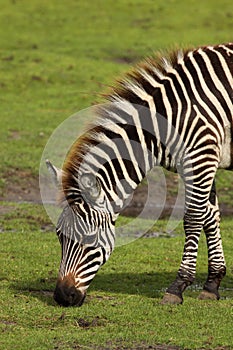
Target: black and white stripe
175 112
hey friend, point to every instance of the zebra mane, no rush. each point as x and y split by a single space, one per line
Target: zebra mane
156 68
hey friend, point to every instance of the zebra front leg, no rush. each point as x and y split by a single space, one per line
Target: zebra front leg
187 270
216 261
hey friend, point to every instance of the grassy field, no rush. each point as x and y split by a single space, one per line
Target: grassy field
56 58
122 309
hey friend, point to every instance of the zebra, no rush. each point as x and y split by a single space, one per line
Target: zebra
175 111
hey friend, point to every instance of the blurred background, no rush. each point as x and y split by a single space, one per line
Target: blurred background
57 57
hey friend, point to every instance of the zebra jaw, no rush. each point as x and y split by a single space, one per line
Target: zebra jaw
66 294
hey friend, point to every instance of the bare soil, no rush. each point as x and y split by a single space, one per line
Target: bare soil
140 347
20 186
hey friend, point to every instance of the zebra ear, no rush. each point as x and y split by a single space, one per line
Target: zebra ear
55 173
90 185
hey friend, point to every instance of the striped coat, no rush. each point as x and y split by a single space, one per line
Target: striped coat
176 112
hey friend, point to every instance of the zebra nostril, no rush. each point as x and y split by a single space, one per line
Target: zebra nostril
75 296
71 298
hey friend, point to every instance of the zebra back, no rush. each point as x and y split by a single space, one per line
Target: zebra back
163 108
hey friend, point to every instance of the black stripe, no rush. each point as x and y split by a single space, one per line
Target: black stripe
211 84
201 93
217 66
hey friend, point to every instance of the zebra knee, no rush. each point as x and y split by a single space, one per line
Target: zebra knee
192 217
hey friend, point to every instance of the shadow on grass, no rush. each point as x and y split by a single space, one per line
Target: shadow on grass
151 285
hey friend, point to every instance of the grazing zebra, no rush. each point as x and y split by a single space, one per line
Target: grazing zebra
176 112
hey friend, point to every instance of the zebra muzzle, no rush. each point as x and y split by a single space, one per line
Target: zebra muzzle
66 294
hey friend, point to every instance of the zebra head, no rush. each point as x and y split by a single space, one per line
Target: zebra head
86 235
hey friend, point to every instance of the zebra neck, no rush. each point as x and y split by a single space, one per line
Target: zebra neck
120 176
129 141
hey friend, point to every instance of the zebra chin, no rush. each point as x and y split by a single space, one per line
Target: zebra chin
66 294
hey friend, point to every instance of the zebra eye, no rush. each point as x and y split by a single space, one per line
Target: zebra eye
79 200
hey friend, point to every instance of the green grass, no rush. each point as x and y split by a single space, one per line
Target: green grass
122 308
56 58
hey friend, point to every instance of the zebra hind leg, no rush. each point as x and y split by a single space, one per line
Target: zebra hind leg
216 261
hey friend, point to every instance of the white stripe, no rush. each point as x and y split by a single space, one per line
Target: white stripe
217 82
198 97
225 67
208 92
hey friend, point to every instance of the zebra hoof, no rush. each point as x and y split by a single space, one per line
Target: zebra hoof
171 299
205 295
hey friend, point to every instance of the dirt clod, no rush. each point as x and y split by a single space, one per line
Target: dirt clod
86 323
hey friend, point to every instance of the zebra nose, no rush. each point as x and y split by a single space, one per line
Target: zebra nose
67 294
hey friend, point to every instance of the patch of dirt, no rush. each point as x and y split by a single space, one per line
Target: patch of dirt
124 59
14 135
8 322
152 198
45 293
129 57
20 186
142 346
6 209
88 323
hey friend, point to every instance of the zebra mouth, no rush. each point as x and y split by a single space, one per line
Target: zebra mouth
68 296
